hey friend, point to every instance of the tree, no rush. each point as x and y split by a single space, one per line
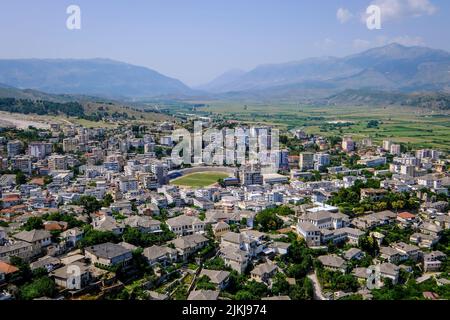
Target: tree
204 283
33 223
90 204
70 219
21 178
245 295
369 245
41 287
48 180
252 291
107 200
302 290
400 204
93 237
268 220
280 286
215 264
24 273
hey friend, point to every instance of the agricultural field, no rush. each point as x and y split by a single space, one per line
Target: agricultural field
413 126
199 180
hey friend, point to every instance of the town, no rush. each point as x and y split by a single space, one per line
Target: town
106 213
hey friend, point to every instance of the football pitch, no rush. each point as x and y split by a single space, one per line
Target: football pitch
199 180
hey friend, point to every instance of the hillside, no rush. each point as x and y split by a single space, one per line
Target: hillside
98 77
378 98
390 68
34 102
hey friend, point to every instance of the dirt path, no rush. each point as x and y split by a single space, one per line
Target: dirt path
318 295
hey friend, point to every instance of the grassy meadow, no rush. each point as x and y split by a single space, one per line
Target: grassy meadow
418 127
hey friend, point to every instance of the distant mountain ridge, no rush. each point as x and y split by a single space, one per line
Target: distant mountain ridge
390 68
99 77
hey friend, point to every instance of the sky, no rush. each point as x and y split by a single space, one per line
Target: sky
197 40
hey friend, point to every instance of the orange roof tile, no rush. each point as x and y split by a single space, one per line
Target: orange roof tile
406 215
7 268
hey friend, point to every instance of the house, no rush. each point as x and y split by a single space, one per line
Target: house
220 228
310 233
280 248
249 241
48 263
373 194
21 249
406 218
443 221
108 254
185 225
352 235
389 270
236 259
203 203
219 278
215 216
353 254
413 252
264 272
38 238
160 254
392 255
333 262
325 219
424 240
6 270
55 225
188 245
433 261
145 224
108 223
203 295
361 274
73 276
72 236
374 219
430 228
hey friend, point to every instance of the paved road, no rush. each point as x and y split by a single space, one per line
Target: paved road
318 295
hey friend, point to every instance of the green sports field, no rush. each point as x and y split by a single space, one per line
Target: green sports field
199 180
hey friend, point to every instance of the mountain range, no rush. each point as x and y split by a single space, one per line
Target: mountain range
101 77
391 68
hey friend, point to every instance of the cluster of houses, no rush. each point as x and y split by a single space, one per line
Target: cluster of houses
100 162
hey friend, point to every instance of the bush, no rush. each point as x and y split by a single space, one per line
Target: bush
41 287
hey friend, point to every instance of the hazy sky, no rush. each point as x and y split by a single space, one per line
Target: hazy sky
196 40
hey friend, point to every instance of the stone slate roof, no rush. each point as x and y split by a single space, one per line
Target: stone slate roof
107 250
216 276
203 295
32 236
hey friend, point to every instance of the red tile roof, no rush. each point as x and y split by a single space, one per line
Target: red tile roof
406 215
7 268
